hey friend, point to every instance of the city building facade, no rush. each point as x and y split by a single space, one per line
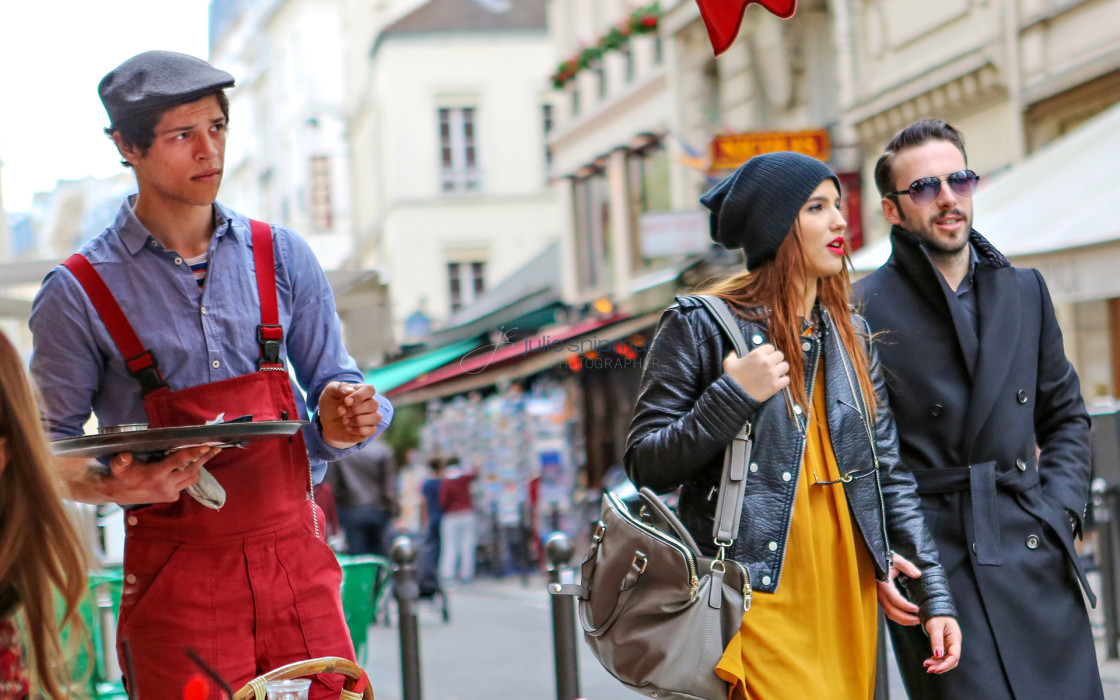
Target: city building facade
449 111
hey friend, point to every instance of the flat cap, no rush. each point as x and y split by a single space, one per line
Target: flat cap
157 79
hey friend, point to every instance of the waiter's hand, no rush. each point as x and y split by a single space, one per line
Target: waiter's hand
349 413
131 481
895 606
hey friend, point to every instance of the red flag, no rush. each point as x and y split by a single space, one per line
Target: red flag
723 17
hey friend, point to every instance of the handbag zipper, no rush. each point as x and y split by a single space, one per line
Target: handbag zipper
694 580
866 420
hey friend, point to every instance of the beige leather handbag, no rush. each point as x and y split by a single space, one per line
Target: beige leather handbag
656 613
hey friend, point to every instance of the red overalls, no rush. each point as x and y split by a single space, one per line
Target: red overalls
249 587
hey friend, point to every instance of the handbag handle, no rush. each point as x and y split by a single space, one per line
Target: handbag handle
733 482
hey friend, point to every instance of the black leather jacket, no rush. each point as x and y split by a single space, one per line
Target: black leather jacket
688 410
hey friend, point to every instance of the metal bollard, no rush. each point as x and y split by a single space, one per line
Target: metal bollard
558 551
406 589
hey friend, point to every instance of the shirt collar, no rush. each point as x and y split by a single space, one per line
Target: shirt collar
970 278
135 235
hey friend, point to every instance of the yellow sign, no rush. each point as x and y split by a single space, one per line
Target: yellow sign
732 150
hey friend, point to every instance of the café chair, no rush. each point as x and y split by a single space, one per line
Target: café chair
355 687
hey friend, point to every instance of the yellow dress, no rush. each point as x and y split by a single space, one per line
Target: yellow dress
816 636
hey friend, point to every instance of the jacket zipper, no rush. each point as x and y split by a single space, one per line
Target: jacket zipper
866 420
693 579
804 432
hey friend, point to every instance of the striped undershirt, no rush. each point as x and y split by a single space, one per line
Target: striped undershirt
198 267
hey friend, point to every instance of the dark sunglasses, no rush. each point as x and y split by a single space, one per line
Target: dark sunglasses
924 190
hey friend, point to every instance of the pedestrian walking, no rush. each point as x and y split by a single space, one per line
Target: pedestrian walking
43 562
184 312
365 488
978 379
458 523
830 516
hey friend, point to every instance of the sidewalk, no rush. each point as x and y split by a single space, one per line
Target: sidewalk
535 594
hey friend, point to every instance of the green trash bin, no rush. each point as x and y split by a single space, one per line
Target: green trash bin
365 581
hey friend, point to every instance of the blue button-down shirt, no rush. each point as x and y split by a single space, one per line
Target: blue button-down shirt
198 335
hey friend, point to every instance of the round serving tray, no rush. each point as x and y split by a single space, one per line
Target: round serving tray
157 441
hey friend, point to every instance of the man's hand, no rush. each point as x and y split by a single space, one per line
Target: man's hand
894 604
131 481
349 413
945 642
762 373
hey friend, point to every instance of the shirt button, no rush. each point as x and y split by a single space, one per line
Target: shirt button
203 310
786 476
773 546
797 409
1032 541
754 467
765 580
806 345
155 243
937 410
178 261
131 578
756 339
1021 464
215 364
1021 396
132 520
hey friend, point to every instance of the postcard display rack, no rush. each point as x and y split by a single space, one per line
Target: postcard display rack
514 439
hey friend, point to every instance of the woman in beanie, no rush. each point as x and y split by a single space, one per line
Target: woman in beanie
830 516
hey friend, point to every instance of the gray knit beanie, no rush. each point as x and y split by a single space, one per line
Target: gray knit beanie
755 207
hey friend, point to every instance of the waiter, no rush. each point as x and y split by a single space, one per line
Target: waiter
184 312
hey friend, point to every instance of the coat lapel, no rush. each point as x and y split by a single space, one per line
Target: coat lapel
998 305
935 291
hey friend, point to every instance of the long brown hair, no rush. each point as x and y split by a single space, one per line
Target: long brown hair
771 294
41 553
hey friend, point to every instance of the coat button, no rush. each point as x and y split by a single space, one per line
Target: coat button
754 467
756 339
806 345
765 580
773 546
1021 396
1032 541
937 410
132 520
975 549
1021 465
786 476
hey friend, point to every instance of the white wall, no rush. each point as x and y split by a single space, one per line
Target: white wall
410 227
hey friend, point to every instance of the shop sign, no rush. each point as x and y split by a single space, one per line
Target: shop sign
669 233
729 151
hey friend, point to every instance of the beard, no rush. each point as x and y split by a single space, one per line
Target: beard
938 244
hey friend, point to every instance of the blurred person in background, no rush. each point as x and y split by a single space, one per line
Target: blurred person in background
365 488
42 560
430 518
830 516
978 378
458 523
184 312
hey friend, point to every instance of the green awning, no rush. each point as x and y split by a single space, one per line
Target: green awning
391 376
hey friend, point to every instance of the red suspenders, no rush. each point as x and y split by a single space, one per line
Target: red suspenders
141 362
